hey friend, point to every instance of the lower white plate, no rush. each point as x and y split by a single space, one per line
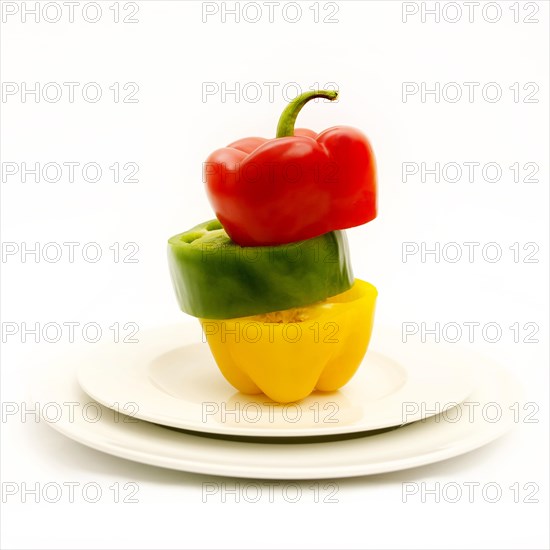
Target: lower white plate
457 431
170 378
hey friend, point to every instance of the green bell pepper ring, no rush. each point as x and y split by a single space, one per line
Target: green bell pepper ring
215 278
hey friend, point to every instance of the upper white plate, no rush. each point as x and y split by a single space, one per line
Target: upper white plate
457 431
170 378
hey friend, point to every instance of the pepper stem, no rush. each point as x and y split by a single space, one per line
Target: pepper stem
285 127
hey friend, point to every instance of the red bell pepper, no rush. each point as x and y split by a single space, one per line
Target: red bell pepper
296 186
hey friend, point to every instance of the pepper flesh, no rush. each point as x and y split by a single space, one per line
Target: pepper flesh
287 355
217 279
296 186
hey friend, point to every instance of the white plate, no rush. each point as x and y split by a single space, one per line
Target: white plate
457 431
170 378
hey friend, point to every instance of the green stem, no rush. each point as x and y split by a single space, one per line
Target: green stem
285 127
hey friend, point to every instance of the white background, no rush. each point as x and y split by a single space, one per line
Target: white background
369 52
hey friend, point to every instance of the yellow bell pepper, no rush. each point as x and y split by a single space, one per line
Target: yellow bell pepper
288 354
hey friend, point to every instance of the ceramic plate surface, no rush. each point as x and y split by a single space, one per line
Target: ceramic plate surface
170 378
440 437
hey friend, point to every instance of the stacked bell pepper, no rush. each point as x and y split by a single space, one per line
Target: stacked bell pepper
270 279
